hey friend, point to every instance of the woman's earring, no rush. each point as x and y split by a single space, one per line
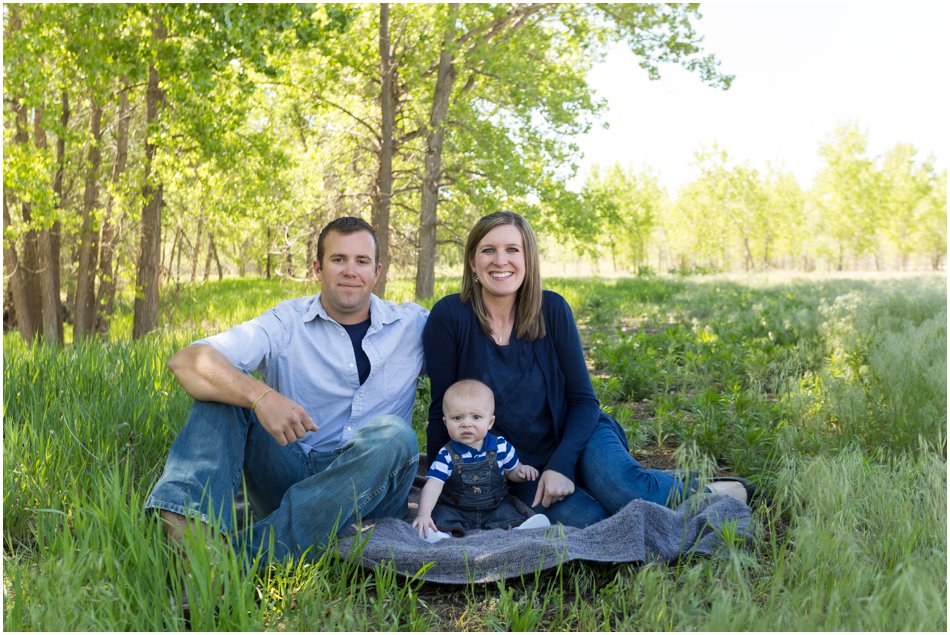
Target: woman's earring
476 277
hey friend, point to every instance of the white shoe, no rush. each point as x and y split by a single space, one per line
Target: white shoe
535 522
436 536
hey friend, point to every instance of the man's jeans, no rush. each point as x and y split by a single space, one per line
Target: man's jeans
607 478
304 499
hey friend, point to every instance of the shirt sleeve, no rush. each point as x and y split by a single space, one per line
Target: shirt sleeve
507 456
583 408
251 345
441 467
439 340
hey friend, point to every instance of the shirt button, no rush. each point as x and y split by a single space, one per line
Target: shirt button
351 365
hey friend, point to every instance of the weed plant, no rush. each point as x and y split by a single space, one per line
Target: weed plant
830 392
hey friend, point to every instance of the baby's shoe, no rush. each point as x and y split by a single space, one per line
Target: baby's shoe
535 522
436 536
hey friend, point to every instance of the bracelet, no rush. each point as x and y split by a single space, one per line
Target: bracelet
256 401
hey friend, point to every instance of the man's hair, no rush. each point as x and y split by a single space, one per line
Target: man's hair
469 387
529 321
346 225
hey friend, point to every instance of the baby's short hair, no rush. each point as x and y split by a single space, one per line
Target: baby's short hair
469 387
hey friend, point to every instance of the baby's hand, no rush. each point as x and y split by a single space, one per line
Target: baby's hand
423 524
527 473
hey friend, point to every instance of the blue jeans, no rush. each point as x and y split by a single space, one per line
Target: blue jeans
302 499
607 477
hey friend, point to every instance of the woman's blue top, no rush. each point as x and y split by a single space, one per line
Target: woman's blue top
544 401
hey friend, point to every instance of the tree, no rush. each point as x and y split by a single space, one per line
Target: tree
906 186
518 73
29 248
624 209
847 194
785 210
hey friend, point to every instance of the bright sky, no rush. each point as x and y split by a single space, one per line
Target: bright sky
801 68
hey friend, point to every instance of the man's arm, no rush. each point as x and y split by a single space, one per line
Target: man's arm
207 375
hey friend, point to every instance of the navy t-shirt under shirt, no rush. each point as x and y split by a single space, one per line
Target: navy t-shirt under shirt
356 333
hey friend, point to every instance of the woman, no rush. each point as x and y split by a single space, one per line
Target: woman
506 331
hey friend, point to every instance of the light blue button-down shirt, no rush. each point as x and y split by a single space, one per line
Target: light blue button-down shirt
304 354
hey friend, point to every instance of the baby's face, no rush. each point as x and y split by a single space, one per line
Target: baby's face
468 418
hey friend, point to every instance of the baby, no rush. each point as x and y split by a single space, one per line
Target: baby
465 486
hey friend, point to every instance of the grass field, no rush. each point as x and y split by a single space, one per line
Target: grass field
833 392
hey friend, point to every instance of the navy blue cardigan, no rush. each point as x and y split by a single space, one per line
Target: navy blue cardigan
456 348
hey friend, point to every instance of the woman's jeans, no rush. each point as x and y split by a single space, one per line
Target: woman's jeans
607 477
303 499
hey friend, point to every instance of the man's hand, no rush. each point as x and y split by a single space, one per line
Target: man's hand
553 487
423 524
283 418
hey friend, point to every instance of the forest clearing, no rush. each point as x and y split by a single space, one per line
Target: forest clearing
169 167
831 391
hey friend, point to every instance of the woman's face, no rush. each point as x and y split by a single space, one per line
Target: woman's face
499 261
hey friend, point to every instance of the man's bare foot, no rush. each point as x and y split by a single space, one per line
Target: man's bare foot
729 488
175 525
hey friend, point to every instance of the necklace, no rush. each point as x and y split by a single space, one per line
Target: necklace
501 336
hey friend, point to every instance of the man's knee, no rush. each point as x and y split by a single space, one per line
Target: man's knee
393 435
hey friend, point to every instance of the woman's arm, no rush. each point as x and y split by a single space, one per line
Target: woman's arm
583 409
439 341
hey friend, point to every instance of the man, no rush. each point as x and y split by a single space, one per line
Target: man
324 440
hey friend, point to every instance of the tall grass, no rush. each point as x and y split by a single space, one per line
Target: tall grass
831 391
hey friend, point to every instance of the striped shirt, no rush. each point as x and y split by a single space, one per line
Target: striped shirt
505 455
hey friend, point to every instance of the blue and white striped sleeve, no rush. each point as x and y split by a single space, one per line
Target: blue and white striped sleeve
441 467
507 457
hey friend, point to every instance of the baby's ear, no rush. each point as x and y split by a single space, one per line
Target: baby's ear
491 422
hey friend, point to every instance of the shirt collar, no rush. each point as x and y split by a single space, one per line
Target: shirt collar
380 312
490 443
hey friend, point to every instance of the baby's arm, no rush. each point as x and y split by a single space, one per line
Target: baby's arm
427 500
521 472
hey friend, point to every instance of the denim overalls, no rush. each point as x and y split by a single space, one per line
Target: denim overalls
474 497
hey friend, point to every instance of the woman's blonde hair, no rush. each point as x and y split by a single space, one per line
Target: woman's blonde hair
529 321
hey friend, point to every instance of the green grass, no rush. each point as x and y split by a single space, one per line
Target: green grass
831 391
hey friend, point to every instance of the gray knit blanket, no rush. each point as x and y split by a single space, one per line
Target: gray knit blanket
640 532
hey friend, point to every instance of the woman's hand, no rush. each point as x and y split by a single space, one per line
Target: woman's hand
553 487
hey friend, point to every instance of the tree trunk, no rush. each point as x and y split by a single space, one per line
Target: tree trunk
29 311
145 318
55 230
425 266
49 293
196 251
208 257
217 260
382 196
13 272
311 245
106 298
84 314
267 252
288 260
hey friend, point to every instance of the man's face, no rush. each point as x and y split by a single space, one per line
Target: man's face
347 275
